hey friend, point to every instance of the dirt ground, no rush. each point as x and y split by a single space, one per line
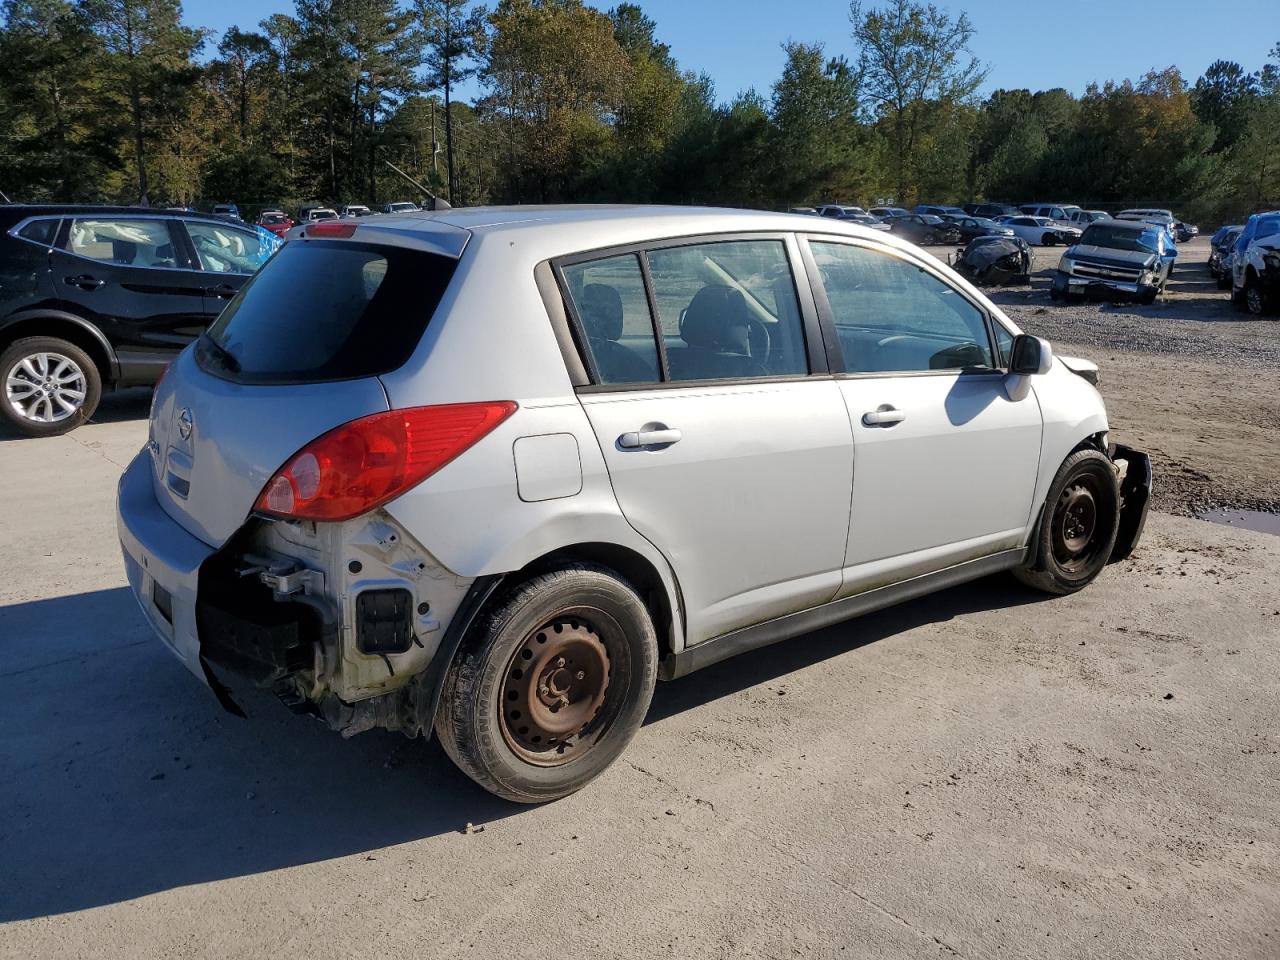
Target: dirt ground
1189 379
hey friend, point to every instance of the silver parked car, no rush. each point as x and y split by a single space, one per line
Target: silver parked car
492 472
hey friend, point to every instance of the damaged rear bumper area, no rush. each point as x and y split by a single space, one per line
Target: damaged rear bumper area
1135 497
339 620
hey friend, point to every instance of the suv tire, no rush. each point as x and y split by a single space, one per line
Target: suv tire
1077 530
1255 297
41 376
551 685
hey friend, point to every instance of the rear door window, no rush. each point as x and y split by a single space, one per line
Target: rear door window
125 242
327 310
613 309
728 310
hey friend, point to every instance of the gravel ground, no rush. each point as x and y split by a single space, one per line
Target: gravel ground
1190 379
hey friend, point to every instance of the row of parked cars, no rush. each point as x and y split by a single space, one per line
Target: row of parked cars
276 221
1245 259
1039 224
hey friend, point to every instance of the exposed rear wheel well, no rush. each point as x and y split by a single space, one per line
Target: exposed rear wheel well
63 329
631 566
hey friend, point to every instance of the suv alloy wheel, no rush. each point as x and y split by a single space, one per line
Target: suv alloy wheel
51 386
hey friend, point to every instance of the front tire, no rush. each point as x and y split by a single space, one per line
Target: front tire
1078 527
551 686
1255 297
51 386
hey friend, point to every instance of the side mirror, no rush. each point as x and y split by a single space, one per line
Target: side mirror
1030 355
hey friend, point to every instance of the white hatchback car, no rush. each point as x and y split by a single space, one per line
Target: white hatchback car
493 471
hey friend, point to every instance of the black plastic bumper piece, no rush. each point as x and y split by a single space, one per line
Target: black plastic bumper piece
1135 499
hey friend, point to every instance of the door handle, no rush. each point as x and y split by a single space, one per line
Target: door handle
224 290
84 282
885 416
650 435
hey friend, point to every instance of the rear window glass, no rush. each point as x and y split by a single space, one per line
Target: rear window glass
327 310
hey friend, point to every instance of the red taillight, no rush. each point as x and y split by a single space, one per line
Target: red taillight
363 464
330 228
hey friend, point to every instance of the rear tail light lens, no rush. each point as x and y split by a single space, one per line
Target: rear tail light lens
365 463
331 228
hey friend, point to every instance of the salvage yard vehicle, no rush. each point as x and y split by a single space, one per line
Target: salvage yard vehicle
840 211
1041 230
1255 265
403 495
970 227
1116 258
1082 218
1220 246
275 221
995 260
924 228
99 297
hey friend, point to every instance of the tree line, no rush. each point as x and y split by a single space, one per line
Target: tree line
122 101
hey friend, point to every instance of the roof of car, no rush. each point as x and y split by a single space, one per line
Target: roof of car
558 230
20 211
1137 226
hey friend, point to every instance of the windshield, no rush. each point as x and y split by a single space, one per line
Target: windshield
1117 238
326 310
274 218
324 215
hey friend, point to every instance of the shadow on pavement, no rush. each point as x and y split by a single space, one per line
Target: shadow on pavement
115 407
120 776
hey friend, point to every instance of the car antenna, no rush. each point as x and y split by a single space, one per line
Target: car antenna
5 197
437 203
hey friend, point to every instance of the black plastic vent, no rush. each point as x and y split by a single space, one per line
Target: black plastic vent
384 621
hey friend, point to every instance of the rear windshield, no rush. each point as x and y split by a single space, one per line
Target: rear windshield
326 310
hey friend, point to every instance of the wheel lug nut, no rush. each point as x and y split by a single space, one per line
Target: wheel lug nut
560 662
582 674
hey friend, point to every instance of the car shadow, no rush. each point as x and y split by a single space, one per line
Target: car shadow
133 403
121 777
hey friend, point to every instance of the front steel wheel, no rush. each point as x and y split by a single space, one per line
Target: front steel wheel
551 684
1078 527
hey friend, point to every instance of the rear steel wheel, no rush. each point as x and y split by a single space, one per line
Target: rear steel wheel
550 685
557 683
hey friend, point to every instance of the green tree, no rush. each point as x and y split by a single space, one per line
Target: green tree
820 148
912 59
51 75
556 77
150 68
453 34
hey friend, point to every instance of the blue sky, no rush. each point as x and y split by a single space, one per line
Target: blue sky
1027 43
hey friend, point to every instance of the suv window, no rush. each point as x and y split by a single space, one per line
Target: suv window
892 316
224 249
130 243
326 310
610 300
42 232
728 310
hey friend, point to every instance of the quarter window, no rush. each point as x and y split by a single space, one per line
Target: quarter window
130 243
892 316
611 303
40 231
728 310
224 249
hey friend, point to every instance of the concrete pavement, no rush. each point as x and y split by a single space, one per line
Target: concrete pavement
982 773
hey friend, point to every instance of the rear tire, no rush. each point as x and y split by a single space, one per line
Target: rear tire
551 686
50 386
1049 240
1078 527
